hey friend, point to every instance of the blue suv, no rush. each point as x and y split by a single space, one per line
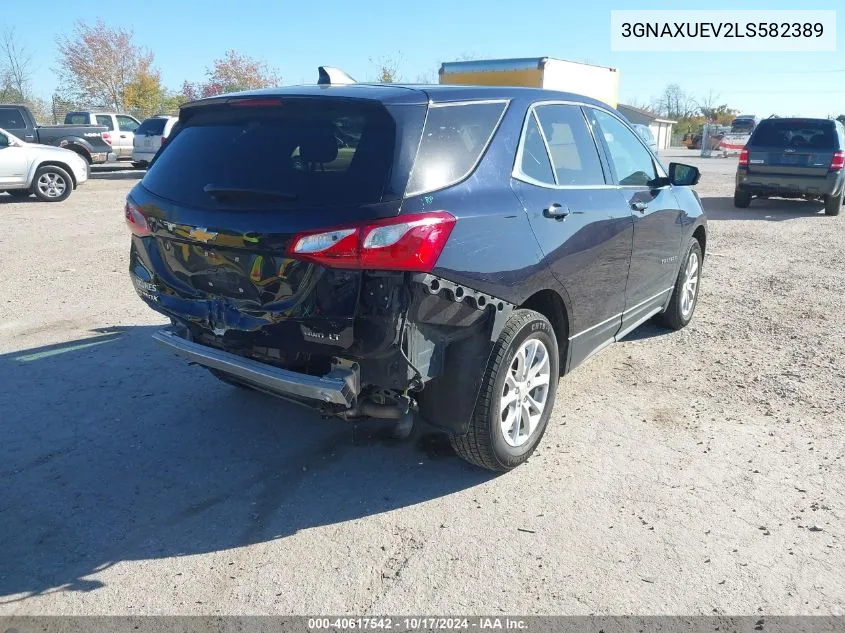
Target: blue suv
442 253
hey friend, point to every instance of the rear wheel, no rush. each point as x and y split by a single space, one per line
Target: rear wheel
19 193
52 184
742 199
685 295
516 397
832 204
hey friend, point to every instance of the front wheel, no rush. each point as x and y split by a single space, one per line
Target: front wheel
52 184
832 204
516 397
685 294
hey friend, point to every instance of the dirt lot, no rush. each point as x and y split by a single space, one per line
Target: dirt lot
696 472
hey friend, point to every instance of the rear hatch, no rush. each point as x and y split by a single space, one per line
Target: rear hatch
240 178
792 147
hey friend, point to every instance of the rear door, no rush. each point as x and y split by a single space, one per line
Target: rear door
13 162
656 214
582 225
792 147
107 120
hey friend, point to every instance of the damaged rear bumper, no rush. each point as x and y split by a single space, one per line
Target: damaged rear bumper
340 386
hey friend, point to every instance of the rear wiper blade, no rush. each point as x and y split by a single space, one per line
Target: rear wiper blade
217 191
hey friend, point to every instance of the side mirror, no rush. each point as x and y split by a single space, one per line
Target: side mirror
682 175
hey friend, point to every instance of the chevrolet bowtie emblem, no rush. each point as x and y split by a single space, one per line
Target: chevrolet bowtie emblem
202 234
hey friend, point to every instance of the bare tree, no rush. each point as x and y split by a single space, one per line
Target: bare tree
15 67
676 104
387 68
97 62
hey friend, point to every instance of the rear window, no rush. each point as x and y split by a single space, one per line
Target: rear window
152 127
454 138
795 134
302 152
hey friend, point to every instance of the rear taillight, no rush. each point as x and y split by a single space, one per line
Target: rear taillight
409 242
107 137
838 161
743 157
135 220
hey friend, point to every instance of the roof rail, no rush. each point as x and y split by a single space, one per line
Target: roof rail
330 76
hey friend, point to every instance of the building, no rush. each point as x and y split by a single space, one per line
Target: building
661 128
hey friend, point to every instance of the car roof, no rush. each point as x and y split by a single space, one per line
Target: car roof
409 93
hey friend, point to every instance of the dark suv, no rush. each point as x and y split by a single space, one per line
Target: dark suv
793 158
437 252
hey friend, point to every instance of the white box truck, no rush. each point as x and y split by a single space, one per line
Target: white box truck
598 82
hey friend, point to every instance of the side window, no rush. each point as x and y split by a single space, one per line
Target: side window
573 151
104 119
453 139
126 123
535 160
11 119
631 160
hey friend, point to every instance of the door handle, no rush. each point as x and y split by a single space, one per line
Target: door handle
639 206
556 211
29 136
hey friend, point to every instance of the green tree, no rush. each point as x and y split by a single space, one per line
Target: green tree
143 94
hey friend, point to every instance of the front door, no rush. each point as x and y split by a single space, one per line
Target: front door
126 127
656 215
582 227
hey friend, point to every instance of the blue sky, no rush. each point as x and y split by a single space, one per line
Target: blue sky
297 37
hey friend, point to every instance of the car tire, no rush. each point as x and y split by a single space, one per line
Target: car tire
19 193
139 164
742 199
497 439
833 204
687 288
52 184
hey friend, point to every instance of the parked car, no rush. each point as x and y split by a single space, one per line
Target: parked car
49 173
121 129
793 158
85 140
647 135
149 138
471 245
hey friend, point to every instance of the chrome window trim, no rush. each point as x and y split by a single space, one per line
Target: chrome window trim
481 154
517 172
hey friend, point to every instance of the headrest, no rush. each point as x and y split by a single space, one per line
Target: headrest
318 143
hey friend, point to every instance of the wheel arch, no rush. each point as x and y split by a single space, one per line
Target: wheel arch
53 163
700 234
551 305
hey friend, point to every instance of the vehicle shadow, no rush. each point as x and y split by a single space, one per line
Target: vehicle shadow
115 450
770 210
9 199
118 174
649 329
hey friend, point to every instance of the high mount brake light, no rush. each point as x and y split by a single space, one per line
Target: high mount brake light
136 220
406 242
255 103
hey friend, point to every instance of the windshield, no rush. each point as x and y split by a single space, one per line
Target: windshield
13 140
296 151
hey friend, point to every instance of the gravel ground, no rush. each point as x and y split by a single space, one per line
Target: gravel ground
696 472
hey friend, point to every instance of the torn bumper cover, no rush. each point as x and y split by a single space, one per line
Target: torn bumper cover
340 386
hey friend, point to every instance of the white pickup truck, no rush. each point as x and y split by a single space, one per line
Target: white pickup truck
121 129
